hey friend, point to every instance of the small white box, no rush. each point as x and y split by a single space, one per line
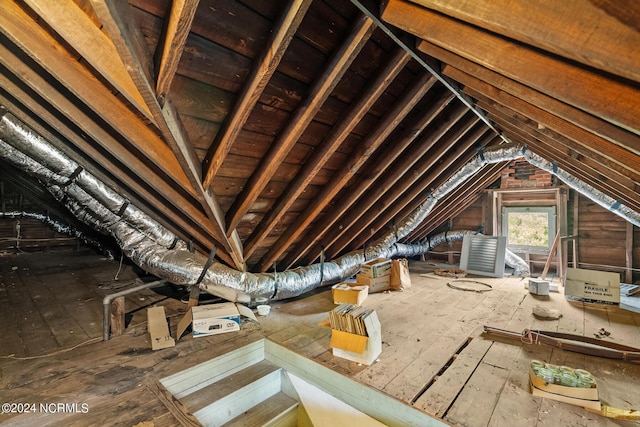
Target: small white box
539 286
214 319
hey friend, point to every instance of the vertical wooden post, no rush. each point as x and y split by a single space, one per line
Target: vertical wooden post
4 205
117 316
576 228
194 296
562 230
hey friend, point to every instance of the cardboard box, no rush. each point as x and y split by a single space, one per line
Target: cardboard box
376 268
213 319
585 397
378 284
359 348
159 329
351 293
538 286
592 286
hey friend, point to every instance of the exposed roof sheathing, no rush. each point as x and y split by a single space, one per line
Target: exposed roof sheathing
273 129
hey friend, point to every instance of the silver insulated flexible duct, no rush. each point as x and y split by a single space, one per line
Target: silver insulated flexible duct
152 247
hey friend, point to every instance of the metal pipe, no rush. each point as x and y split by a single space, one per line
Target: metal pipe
107 300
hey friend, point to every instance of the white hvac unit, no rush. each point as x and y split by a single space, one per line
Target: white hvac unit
483 255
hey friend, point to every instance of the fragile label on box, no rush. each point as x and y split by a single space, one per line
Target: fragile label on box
592 285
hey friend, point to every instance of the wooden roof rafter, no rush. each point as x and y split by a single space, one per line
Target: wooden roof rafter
340 178
584 166
377 165
543 25
40 97
331 143
263 70
608 154
405 168
132 51
595 93
172 42
94 46
388 205
454 203
298 122
41 47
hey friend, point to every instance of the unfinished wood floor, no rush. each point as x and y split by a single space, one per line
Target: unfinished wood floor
434 353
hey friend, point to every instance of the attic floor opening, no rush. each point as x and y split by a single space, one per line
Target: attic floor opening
423 328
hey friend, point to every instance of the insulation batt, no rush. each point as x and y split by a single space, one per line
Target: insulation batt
155 249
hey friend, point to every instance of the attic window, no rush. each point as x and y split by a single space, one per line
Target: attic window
529 228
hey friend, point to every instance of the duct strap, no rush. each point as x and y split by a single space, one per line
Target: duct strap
207 265
616 205
395 229
275 281
480 151
554 166
123 208
174 243
73 176
321 265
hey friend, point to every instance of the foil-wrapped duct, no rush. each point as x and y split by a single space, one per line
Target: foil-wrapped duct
61 228
154 248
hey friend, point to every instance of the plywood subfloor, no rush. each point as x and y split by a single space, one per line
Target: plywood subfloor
434 356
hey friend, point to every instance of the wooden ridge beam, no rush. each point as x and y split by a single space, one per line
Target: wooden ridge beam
612 99
380 164
317 95
172 42
116 18
411 186
341 177
592 36
458 121
264 67
331 143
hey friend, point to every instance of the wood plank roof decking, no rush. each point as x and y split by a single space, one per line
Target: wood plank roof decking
271 130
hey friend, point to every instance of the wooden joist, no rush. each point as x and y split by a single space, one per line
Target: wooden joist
315 98
376 137
330 144
595 93
253 87
544 25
